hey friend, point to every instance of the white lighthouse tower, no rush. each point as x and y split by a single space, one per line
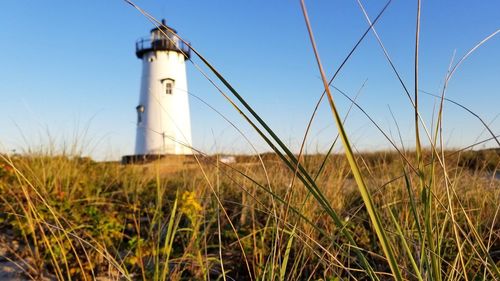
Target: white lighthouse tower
163 121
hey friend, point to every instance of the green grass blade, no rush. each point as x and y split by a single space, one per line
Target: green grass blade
405 246
287 255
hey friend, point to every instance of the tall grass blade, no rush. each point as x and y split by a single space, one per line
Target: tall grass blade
365 194
407 249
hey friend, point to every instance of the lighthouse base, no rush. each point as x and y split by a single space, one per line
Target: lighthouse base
148 158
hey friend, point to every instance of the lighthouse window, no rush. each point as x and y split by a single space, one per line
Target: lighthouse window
140 111
168 88
168 84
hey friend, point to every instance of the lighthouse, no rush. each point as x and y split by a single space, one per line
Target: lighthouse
163 119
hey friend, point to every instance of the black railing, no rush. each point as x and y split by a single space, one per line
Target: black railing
144 45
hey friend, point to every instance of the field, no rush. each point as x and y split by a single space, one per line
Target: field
419 211
70 218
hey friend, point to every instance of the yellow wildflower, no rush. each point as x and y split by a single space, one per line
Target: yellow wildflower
189 205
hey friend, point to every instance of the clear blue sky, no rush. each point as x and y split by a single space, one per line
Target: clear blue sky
66 65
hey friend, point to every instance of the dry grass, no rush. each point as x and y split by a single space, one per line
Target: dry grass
423 215
78 219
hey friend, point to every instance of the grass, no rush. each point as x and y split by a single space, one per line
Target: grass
78 219
427 214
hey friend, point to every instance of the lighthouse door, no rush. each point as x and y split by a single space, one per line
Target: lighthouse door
168 144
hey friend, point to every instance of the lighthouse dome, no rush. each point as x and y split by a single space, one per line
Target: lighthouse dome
162 38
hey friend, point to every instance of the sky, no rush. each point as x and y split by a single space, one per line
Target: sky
69 76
